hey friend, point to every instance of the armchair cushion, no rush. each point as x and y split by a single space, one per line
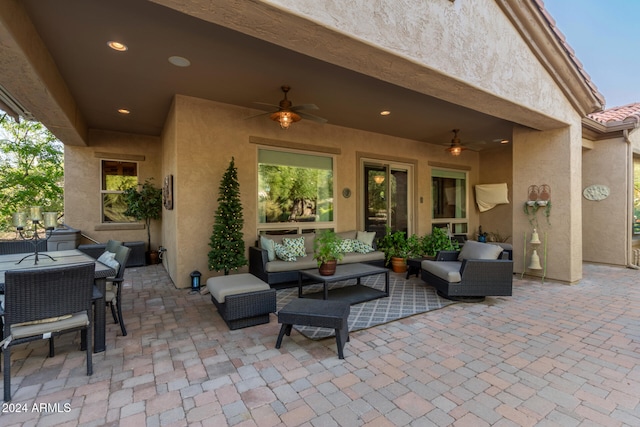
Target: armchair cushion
478 250
446 270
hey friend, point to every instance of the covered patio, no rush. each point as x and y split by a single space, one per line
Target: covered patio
548 355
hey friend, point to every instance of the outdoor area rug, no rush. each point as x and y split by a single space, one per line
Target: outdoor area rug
406 298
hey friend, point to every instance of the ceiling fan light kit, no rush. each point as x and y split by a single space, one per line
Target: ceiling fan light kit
456 148
288 113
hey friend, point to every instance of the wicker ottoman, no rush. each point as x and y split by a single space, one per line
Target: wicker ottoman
315 312
242 299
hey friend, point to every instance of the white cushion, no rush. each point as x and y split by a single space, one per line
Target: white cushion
29 330
109 259
366 237
233 284
478 250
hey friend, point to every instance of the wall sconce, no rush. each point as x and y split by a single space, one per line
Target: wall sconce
456 148
378 179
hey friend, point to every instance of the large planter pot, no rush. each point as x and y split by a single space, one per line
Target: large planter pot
328 268
152 257
399 265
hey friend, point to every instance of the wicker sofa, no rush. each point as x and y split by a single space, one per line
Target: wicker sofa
478 270
277 271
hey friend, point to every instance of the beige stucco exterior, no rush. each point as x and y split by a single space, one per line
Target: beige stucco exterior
608 155
497 57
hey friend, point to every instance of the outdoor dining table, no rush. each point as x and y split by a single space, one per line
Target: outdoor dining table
66 258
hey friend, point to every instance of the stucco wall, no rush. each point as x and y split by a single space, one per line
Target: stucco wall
207 134
82 170
605 225
496 166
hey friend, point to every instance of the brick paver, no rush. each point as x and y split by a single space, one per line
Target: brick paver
550 355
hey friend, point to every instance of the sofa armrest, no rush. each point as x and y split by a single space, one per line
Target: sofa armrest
258 259
447 255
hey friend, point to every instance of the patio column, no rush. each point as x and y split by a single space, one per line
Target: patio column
551 157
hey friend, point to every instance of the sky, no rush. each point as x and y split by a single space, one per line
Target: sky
604 36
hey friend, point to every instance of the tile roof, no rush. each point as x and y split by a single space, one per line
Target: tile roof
570 52
630 112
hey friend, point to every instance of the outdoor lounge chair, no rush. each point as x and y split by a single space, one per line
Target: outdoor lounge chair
40 304
477 271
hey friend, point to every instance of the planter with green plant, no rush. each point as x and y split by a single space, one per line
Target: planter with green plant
326 251
438 240
396 249
145 204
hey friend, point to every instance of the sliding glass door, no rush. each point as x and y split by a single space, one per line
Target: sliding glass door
387 201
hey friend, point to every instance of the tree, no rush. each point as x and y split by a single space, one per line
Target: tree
31 168
227 242
145 204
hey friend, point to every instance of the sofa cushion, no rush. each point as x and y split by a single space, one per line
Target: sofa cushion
283 252
268 245
295 246
366 237
361 247
446 270
352 257
278 266
478 250
347 234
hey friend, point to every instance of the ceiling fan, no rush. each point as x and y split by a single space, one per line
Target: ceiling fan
285 113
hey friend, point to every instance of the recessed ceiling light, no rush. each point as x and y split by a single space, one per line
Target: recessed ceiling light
179 61
120 47
504 141
124 111
385 113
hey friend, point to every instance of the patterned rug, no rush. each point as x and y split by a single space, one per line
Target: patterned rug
407 297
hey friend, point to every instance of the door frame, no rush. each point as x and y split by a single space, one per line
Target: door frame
411 165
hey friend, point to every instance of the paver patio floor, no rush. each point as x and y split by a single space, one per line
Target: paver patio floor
551 354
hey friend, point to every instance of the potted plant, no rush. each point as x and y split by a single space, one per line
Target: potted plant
326 250
394 245
438 240
145 204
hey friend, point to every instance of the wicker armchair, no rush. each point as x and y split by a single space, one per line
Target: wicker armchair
469 279
113 294
40 304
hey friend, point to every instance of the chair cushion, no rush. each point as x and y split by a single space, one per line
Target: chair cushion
446 270
109 259
75 321
233 284
478 250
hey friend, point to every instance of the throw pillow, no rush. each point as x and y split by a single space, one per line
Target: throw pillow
366 237
478 250
267 244
283 253
295 246
345 246
109 259
361 247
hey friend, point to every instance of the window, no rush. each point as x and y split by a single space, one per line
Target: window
449 190
294 187
117 176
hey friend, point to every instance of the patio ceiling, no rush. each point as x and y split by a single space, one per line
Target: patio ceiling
228 67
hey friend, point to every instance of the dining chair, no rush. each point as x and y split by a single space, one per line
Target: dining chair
43 303
113 294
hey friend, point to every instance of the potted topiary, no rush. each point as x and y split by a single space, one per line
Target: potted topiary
146 205
326 250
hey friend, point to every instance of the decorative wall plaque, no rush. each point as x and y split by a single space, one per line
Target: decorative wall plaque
596 192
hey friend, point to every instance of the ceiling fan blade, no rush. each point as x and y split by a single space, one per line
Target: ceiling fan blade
266 106
311 117
304 107
258 115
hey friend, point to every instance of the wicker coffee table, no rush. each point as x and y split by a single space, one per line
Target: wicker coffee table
354 294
